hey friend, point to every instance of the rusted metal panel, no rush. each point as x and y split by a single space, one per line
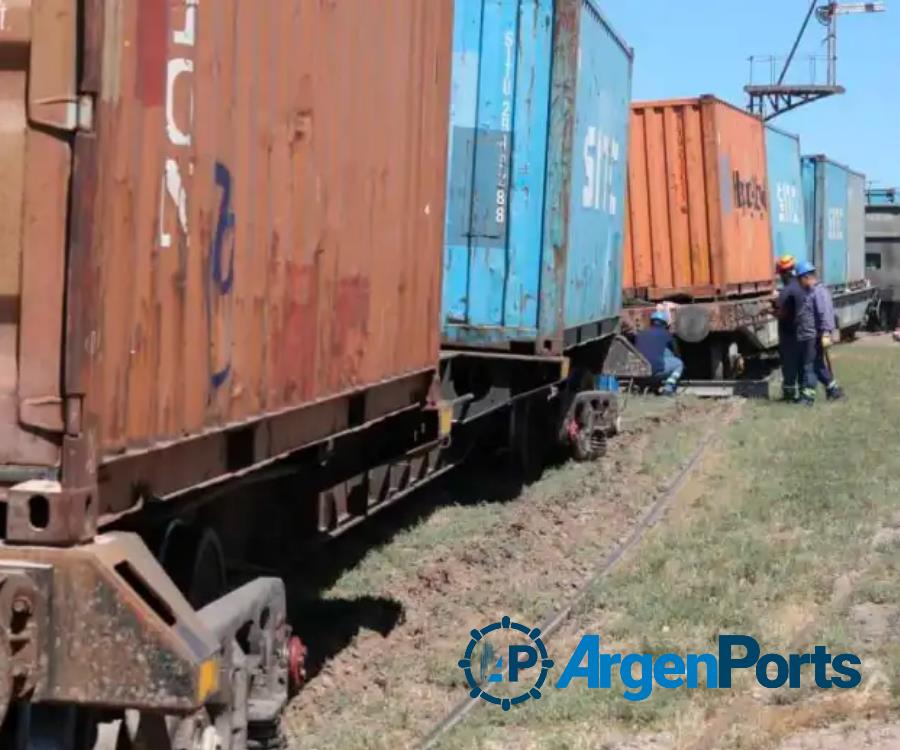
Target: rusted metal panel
698 202
694 322
65 612
270 247
246 237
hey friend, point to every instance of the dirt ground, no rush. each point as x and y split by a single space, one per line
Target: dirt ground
814 559
478 547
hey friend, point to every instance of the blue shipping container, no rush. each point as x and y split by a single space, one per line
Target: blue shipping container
825 188
537 168
786 190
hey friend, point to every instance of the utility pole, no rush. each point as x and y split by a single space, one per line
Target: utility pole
773 99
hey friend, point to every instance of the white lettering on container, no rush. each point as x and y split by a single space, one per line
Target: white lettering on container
601 154
835 223
179 127
788 199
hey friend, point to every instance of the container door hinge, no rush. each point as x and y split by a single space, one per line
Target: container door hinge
53 96
43 413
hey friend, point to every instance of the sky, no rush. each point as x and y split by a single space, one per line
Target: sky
692 47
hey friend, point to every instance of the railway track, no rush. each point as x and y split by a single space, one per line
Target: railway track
552 623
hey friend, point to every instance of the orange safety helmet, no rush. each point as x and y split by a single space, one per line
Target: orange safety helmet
785 264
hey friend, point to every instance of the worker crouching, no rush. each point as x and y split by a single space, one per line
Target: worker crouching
657 346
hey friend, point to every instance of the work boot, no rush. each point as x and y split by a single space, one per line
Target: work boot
790 396
835 393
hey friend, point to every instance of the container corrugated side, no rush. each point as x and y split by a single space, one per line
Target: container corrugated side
535 163
699 223
596 194
825 185
256 218
856 227
786 192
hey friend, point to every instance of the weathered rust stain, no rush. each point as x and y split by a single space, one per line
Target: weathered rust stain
152 33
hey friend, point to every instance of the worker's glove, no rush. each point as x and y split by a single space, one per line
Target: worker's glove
826 341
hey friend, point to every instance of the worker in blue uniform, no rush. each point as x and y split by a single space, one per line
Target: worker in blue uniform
785 307
807 335
657 345
826 322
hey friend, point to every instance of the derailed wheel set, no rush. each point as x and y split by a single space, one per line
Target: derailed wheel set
245 244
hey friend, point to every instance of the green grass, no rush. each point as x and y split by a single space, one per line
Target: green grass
792 500
521 557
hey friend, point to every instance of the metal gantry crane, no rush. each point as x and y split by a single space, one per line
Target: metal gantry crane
773 99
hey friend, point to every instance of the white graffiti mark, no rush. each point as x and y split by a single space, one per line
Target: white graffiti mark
173 187
601 154
177 136
174 190
3 9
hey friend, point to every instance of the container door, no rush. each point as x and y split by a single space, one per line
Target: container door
743 200
599 162
834 244
786 191
498 119
812 209
856 227
40 115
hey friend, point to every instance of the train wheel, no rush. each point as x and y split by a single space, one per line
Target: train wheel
193 558
587 443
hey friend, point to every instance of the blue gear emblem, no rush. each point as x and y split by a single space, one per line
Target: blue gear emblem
476 691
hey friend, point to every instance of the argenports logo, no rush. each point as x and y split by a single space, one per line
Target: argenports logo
511 663
507 664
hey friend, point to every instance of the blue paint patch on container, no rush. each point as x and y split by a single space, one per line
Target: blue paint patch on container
538 150
788 211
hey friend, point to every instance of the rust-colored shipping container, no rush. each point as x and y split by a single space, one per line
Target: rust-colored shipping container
698 202
222 227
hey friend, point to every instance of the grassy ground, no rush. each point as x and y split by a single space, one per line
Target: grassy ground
393 624
790 532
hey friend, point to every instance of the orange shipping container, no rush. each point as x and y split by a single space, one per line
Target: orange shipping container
698 202
222 223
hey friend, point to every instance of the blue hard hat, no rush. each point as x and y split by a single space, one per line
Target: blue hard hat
659 317
804 267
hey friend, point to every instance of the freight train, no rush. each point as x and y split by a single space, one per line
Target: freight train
340 277
222 271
